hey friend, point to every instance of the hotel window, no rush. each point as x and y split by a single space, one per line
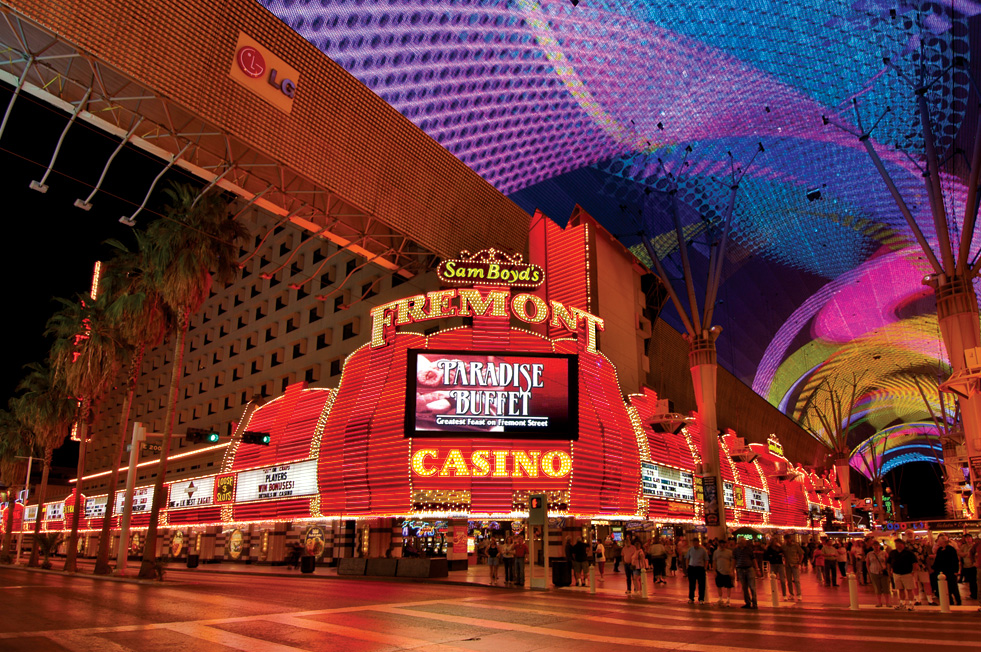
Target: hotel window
349 330
324 339
335 367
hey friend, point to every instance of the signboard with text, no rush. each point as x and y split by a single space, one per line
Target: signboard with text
191 493
666 482
277 482
478 394
142 500
96 507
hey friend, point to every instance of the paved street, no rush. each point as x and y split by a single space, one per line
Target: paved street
229 611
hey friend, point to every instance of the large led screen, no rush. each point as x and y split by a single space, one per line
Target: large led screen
486 394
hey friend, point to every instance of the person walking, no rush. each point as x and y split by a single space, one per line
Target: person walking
876 562
682 553
628 553
672 556
617 550
599 555
842 558
659 558
818 561
493 559
773 555
969 568
723 562
697 561
946 561
902 563
580 561
507 558
793 558
639 564
520 552
745 563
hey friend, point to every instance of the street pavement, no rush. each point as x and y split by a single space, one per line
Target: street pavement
266 609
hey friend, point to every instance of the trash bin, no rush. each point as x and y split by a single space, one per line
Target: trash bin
308 563
561 572
192 561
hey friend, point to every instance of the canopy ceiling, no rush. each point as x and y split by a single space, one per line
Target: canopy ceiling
637 109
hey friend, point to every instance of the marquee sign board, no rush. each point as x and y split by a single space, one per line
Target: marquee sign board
277 482
490 267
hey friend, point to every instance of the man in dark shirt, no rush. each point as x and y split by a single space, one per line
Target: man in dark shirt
745 562
579 563
948 563
902 561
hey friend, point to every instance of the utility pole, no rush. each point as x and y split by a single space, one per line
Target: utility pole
27 492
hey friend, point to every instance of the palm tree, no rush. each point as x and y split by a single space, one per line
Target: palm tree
142 320
193 245
15 445
87 355
832 404
48 410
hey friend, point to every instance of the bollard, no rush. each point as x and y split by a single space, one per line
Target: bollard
853 591
774 598
944 593
592 579
643 583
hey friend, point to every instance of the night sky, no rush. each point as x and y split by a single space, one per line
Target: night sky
51 245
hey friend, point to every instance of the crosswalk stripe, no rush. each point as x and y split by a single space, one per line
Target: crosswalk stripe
837 618
578 636
86 643
730 629
229 639
362 634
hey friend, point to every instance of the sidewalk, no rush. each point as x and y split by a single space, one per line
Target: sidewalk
613 586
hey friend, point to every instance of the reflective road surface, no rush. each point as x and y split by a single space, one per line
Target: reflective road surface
198 612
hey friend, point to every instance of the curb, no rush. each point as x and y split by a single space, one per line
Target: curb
92 576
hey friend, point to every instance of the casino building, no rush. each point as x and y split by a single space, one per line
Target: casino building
497 379
404 403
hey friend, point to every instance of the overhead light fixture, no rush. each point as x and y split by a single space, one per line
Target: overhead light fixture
813 194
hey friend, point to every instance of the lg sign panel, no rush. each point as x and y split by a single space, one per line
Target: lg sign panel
485 394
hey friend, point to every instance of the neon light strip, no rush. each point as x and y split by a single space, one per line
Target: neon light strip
156 461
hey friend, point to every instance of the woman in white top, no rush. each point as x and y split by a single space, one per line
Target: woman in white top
600 559
507 555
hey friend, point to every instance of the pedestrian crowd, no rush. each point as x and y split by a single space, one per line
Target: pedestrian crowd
910 566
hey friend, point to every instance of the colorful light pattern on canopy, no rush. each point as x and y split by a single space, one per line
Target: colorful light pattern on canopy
891 447
624 106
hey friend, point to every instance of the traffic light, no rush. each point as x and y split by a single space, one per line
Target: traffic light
537 509
259 438
198 435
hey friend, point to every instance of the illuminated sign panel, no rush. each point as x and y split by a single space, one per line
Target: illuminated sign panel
757 500
192 493
54 511
666 482
491 394
142 500
490 463
490 267
470 302
283 481
262 72
96 507
225 489
30 513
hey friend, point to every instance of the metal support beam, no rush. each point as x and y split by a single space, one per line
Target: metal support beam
715 270
675 299
971 204
42 186
903 208
13 98
86 204
686 264
933 179
131 220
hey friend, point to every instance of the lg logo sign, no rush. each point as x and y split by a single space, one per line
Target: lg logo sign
252 63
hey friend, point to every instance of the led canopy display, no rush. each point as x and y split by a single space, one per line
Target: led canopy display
489 394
